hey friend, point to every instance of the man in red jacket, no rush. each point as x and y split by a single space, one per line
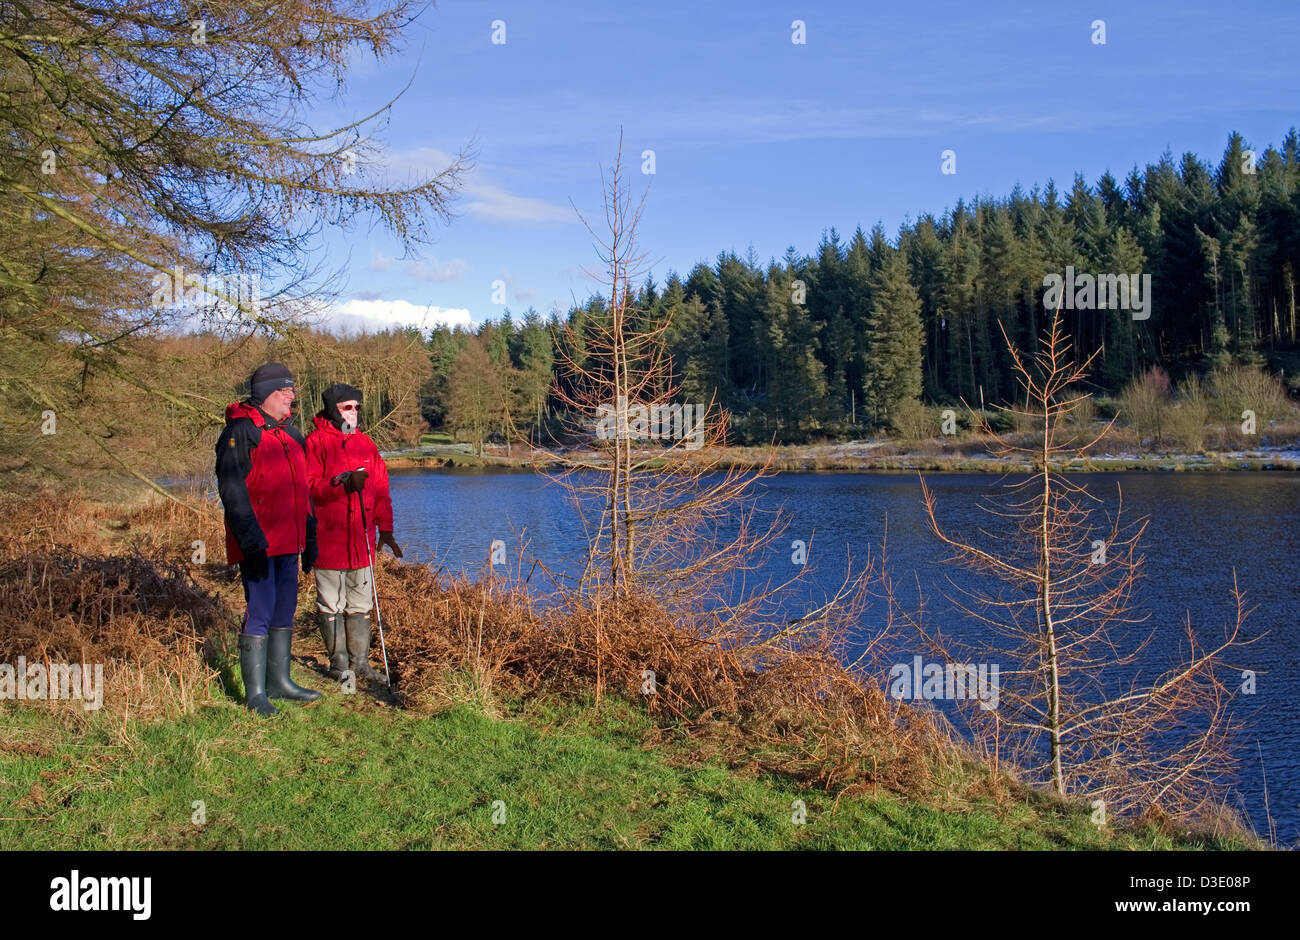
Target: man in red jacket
262 478
346 475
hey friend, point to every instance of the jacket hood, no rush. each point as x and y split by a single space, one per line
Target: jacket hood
242 409
245 409
338 392
323 423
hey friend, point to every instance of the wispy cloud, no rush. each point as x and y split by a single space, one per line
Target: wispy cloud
431 269
496 205
421 269
523 295
482 196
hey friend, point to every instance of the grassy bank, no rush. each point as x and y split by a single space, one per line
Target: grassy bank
347 773
496 703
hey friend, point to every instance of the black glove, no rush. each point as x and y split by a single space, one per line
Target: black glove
386 538
338 478
255 566
309 555
355 482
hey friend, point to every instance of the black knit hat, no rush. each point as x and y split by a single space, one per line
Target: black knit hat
267 379
339 391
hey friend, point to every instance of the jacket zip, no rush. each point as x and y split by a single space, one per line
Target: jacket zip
294 476
344 448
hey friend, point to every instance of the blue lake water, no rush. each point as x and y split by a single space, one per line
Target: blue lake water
1200 527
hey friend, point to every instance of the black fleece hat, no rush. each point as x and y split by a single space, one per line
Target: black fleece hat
267 379
339 391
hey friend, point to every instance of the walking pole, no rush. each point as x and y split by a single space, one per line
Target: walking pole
374 589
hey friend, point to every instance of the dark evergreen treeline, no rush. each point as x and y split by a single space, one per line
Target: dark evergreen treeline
811 344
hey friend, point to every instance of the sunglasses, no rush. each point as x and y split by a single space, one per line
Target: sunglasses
347 407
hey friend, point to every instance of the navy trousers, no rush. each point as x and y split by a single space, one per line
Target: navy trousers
273 600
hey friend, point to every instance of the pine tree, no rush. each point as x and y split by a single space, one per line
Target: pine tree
827 300
705 377
857 292
475 394
925 260
960 267
796 381
894 366
536 364
1121 338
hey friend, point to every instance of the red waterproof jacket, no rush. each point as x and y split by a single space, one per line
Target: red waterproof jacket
340 536
262 479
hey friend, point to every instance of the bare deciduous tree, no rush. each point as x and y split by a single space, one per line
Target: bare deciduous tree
666 522
1077 708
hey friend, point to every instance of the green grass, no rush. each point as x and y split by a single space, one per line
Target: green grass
347 773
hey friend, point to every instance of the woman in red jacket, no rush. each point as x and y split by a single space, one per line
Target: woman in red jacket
345 473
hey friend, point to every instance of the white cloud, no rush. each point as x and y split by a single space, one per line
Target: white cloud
372 315
380 262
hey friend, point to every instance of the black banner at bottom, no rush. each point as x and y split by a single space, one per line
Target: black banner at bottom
171 889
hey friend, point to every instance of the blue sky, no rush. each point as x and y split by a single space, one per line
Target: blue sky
758 140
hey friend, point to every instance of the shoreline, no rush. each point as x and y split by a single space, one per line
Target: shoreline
855 457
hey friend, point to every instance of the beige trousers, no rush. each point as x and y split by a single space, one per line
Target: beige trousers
344 590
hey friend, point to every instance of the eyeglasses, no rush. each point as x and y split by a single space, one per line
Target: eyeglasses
347 407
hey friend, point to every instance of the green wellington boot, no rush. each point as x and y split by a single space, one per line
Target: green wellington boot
358 631
252 666
336 647
278 683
